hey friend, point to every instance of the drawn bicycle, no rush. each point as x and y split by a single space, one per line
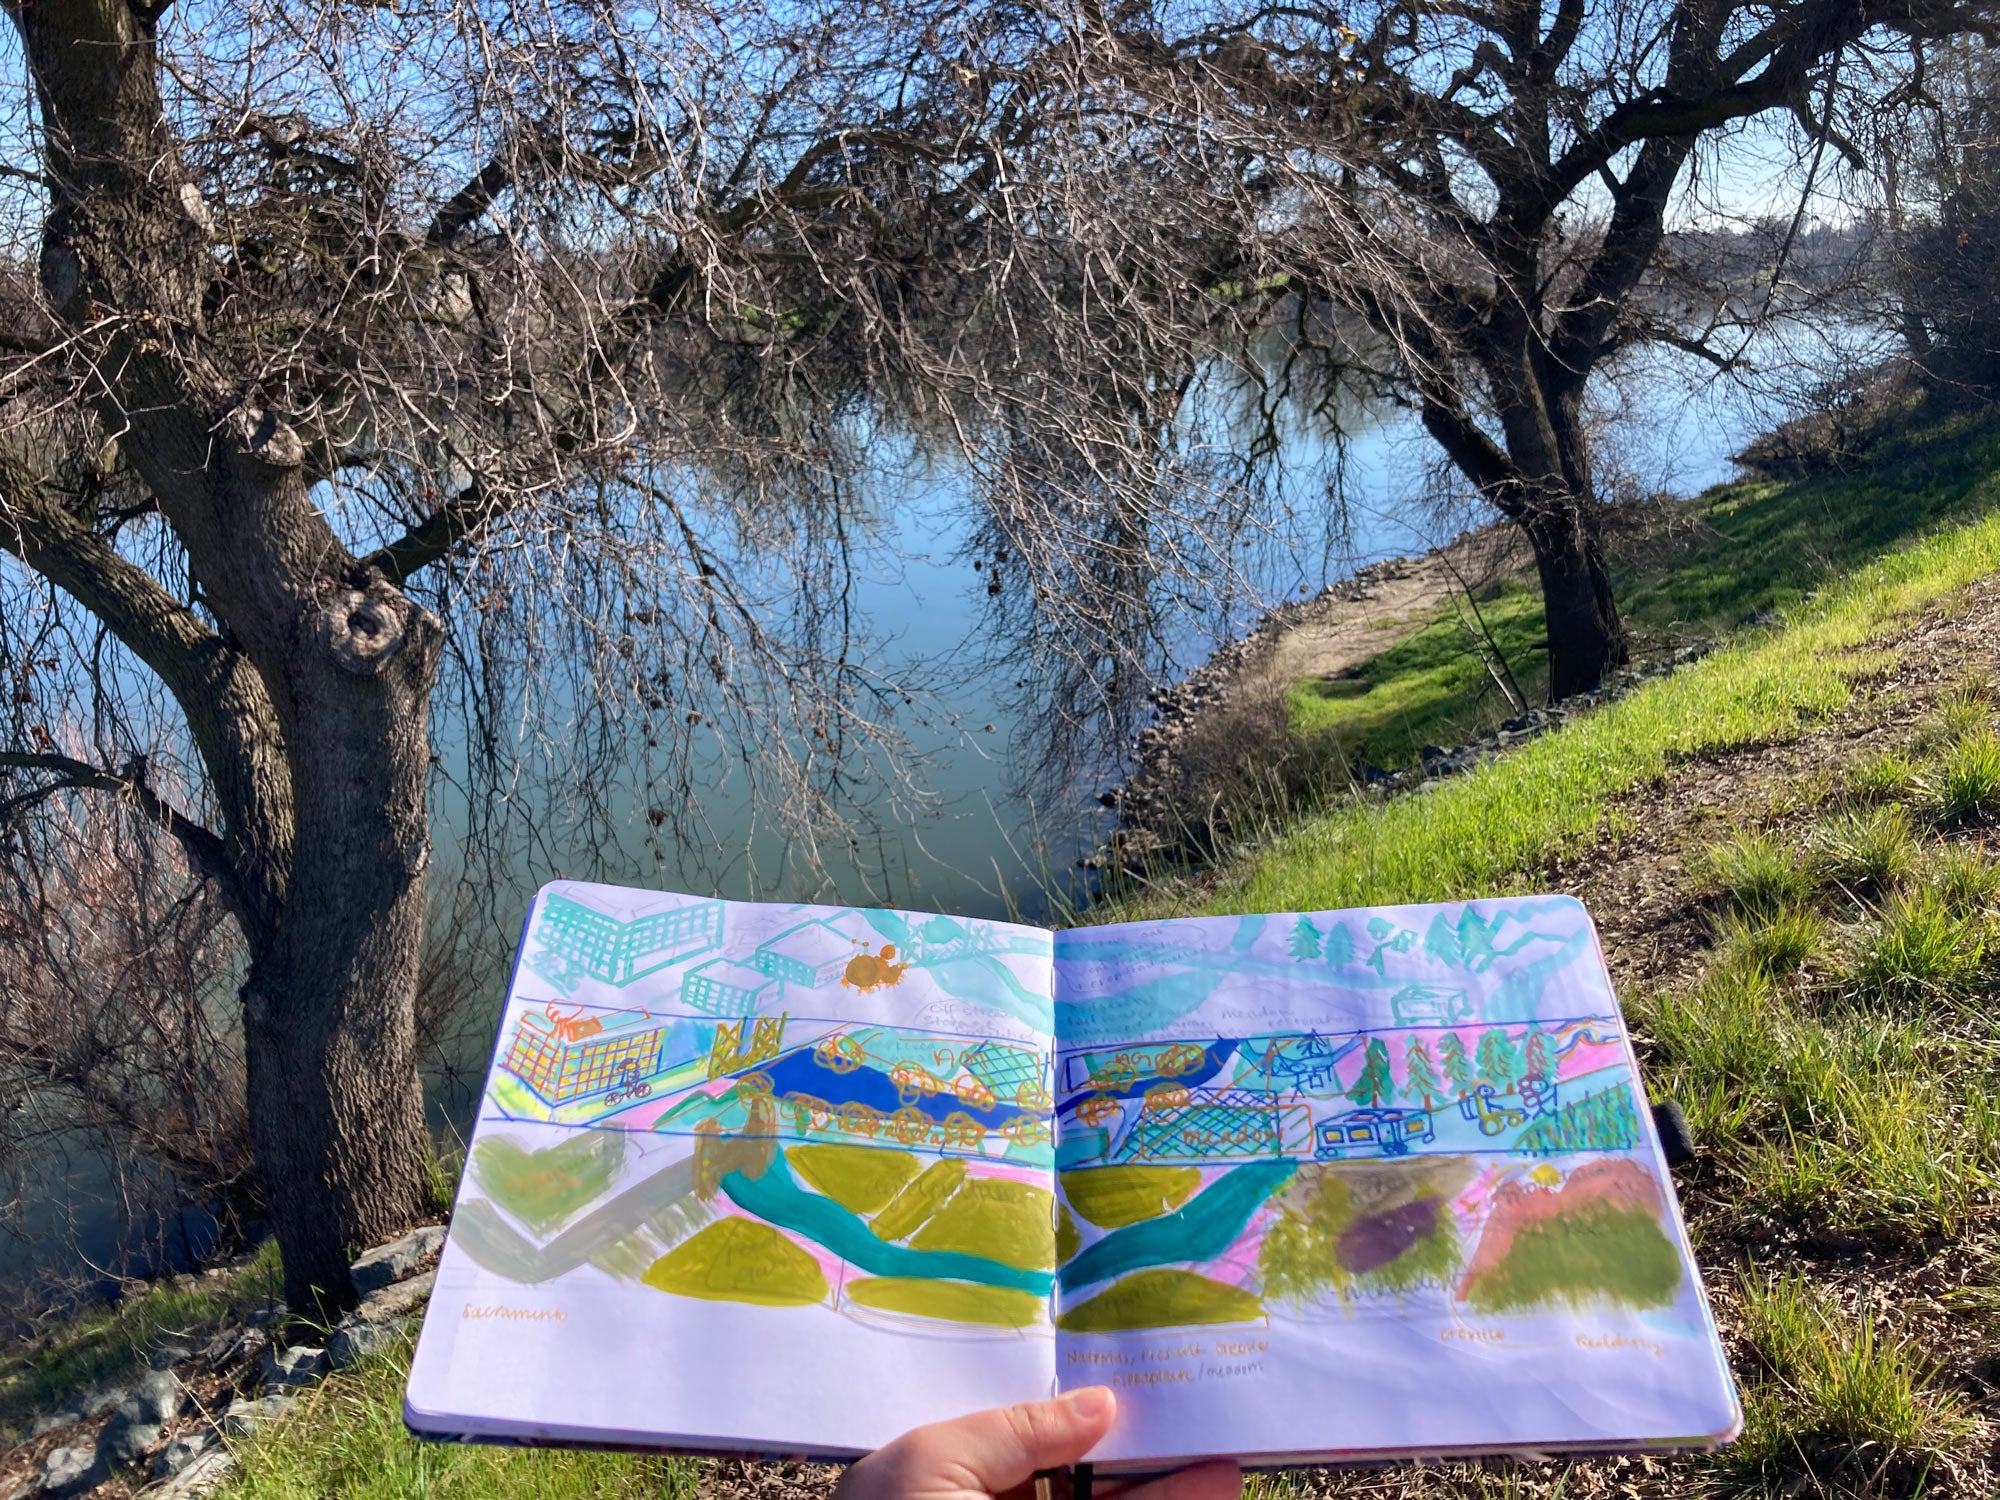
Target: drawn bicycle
629 1085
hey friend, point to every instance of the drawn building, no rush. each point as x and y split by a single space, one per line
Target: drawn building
813 954
568 1059
618 951
1414 1004
1302 1063
723 987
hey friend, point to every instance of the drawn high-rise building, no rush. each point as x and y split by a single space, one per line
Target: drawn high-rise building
813 954
619 950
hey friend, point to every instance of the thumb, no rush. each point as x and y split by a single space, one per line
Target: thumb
989 1452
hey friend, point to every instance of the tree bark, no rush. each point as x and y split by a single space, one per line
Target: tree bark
336 1109
1586 636
319 753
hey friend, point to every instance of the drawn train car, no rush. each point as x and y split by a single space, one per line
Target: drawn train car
1358 1133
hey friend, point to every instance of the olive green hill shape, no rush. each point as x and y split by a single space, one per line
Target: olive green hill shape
951 1301
919 1200
1011 1222
1161 1298
740 1260
861 1179
1068 1239
541 1188
1112 1197
1604 1254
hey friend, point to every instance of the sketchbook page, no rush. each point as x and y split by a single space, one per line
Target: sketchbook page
750 1177
1369 1182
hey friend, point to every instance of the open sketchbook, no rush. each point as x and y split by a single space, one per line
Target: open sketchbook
1332 1186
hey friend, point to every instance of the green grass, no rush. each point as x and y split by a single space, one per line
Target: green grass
1853 1119
1754 546
1864 850
1966 783
347 1438
1920 950
1494 830
1888 777
1777 945
99 1346
1754 875
1430 687
1831 1397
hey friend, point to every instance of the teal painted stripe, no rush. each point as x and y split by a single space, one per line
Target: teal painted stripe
1199 1229
777 1199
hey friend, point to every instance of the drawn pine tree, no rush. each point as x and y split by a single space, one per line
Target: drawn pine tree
1538 1064
1457 1066
1305 940
1339 946
1420 1077
1499 1061
1376 1085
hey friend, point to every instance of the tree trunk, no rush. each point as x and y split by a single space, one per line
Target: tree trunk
336 1108
1586 637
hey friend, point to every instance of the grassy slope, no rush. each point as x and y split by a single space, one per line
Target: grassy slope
1491 831
1739 549
1487 832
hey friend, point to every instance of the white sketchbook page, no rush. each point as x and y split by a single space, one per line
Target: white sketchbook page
1369 1182
698 1117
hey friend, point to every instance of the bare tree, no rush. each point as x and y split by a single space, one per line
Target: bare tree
537 363
1514 170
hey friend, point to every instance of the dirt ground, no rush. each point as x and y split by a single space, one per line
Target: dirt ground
1351 621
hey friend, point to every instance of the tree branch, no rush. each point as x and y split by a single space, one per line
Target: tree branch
204 848
220 693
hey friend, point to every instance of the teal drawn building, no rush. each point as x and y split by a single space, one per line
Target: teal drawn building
723 987
586 942
813 954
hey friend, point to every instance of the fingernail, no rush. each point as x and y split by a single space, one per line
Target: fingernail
1094 1403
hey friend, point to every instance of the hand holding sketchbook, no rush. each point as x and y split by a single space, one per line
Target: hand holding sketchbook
1328 1186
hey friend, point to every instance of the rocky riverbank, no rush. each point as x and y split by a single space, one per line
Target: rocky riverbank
166 1433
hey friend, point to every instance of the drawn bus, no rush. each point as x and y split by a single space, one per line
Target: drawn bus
1373 1132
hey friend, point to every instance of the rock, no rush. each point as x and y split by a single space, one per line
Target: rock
216 1350
181 1452
168 1355
94 1403
156 1398
125 1440
397 1259
395 1301
299 1365
356 1339
44 1425
248 1348
199 1477
245 1417
67 1470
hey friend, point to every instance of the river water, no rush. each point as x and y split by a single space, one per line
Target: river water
982 848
